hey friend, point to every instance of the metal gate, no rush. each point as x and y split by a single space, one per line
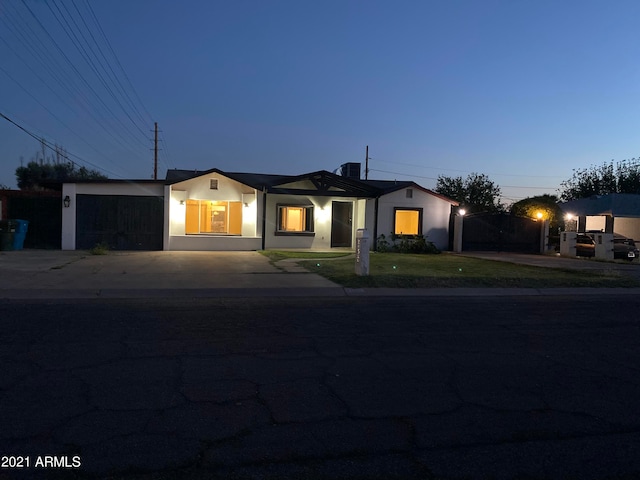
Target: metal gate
122 222
44 214
501 232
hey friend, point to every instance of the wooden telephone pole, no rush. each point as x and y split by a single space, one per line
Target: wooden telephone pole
155 153
366 164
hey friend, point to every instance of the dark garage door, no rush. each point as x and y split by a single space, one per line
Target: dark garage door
122 222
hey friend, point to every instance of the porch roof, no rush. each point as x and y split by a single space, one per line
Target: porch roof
325 183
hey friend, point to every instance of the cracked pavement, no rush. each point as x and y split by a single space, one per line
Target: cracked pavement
375 387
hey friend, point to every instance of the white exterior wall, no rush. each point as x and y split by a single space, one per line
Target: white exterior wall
435 214
629 227
69 217
321 239
131 188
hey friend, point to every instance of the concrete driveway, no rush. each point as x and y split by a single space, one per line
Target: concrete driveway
54 273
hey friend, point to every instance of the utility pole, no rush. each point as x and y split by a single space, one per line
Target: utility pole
155 153
366 164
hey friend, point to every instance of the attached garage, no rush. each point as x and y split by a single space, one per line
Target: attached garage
119 221
124 215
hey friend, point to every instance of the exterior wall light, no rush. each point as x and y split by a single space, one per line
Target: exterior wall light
539 215
66 201
462 211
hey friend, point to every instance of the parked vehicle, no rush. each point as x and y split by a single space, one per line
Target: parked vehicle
585 245
624 248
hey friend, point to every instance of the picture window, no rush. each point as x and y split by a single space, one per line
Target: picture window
407 221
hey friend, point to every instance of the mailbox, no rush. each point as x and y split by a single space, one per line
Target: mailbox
362 252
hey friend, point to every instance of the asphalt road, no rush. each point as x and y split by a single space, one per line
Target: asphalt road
344 387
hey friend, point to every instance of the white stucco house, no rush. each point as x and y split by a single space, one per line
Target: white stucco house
216 210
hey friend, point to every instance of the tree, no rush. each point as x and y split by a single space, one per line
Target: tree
620 177
546 204
39 176
476 193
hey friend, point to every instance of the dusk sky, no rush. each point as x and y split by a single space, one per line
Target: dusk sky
523 91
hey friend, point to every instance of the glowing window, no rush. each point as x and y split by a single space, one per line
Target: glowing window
214 217
407 221
295 219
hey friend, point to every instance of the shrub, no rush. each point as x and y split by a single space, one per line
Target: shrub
405 244
101 248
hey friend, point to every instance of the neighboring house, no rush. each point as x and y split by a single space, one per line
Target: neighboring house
616 212
216 210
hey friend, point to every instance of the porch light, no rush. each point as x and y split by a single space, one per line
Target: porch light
539 215
66 201
461 212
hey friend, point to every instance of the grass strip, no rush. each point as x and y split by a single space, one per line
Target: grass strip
391 270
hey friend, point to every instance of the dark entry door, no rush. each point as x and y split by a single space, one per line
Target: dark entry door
341 224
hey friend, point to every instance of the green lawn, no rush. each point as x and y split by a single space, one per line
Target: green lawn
419 271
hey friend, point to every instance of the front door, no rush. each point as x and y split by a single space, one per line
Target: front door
341 224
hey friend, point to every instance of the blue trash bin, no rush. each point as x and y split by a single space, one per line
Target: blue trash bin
21 231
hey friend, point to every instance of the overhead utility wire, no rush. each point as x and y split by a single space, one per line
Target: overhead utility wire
74 67
108 63
463 171
45 59
165 155
55 116
48 145
87 57
431 178
104 36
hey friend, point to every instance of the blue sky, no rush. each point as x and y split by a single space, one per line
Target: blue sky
523 91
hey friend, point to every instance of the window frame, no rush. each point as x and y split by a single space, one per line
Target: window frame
309 220
410 209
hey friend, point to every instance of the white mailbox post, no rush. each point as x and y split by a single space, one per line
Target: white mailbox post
568 242
362 252
604 245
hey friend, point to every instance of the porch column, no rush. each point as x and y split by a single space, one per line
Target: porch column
608 224
458 222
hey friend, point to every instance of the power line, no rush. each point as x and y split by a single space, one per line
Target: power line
431 178
461 171
106 39
54 115
86 55
44 50
48 145
115 76
75 69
